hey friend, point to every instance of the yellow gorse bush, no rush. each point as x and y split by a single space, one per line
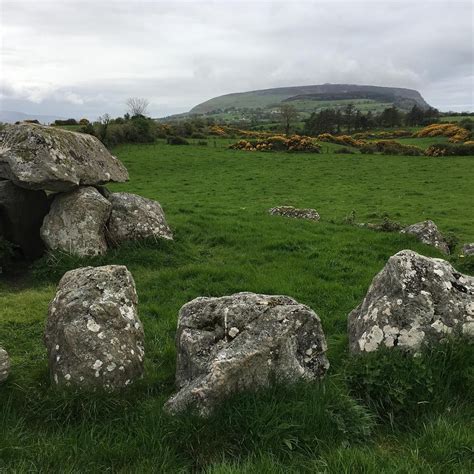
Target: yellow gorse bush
454 132
295 143
345 140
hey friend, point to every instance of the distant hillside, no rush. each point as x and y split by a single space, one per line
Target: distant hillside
10 116
309 98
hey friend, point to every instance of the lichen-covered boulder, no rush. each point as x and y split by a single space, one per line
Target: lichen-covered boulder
241 342
93 335
76 222
50 158
134 217
290 211
428 233
414 300
4 365
21 214
468 249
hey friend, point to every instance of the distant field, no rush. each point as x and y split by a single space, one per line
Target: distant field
216 201
456 118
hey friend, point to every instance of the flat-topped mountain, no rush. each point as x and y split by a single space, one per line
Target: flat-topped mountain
309 98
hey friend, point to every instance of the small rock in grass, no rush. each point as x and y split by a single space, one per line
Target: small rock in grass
290 211
4 365
428 233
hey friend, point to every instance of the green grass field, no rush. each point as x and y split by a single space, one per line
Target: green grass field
419 415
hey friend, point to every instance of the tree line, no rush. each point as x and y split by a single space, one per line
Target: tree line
352 120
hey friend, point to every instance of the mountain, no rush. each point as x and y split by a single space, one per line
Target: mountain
10 116
307 99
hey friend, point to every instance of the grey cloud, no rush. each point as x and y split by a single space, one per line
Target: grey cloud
85 58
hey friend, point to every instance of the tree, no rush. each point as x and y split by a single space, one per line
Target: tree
415 116
288 115
137 106
390 117
349 116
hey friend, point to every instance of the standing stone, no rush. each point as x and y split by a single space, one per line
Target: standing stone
243 342
414 300
21 214
93 335
134 217
428 233
76 222
50 158
290 211
468 249
4 365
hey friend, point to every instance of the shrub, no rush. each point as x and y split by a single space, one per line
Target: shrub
448 149
383 134
198 135
454 132
346 140
391 147
399 386
295 143
70 121
177 141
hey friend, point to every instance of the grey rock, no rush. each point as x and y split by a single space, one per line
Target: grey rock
415 300
4 365
428 233
93 335
135 217
76 222
290 211
21 214
241 342
468 249
50 158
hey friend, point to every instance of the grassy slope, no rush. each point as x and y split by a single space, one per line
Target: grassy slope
216 201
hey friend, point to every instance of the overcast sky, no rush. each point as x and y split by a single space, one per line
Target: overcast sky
84 58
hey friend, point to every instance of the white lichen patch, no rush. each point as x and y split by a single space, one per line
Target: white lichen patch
93 326
370 341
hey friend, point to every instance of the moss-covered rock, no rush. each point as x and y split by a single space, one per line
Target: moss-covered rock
49 158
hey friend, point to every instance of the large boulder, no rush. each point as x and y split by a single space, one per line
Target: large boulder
428 233
50 158
134 217
243 341
21 214
4 365
93 335
290 211
76 222
414 300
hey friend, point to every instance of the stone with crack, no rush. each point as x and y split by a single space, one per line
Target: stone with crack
76 222
415 300
94 337
134 217
242 342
